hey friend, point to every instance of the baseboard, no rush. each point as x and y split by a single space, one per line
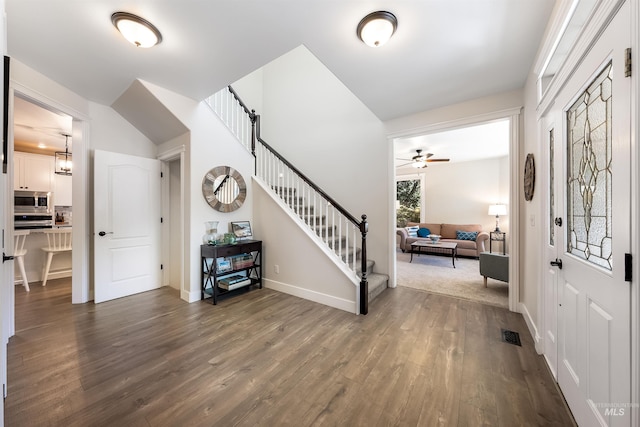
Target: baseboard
331 301
52 275
533 330
190 296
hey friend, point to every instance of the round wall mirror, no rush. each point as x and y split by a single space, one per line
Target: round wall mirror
224 189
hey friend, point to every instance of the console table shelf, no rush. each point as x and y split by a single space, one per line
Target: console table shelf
250 268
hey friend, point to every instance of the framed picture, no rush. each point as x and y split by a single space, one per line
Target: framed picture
223 265
241 229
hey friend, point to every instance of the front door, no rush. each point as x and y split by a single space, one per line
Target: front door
126 225
594 338
552 226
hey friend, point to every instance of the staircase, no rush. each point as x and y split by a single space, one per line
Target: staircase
340 233
329 233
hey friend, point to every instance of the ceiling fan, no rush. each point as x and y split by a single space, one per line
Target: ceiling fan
420 160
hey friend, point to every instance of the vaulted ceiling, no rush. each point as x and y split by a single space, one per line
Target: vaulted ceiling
444 51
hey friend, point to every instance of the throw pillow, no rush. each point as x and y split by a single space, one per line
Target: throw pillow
466 235
423 232
413 231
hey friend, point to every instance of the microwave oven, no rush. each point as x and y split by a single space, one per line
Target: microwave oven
32 202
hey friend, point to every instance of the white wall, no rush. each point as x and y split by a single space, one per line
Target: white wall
477 109
111 132
304 270
530 234
460 193
210 145
250 89
315 122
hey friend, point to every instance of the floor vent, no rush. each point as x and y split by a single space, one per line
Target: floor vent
511 337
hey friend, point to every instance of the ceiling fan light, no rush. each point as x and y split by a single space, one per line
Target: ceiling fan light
376 28
136 30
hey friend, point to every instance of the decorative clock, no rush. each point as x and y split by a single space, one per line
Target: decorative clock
224 189
529 177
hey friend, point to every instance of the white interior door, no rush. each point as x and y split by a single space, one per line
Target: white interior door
126 225
594 366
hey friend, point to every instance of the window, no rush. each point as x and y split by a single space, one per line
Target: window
408 201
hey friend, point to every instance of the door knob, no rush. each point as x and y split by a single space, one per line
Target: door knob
557 263
103 233
558 221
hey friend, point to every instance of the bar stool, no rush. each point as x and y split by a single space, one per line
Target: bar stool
59 241
19 252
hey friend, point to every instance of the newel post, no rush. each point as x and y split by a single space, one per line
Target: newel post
254 123
254 118
364 284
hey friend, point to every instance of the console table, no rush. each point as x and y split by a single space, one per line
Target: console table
220 263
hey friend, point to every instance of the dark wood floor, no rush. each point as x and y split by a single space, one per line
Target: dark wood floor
266 358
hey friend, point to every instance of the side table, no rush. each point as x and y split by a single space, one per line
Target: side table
498 236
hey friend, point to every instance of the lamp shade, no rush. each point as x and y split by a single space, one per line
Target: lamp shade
497 210
376 28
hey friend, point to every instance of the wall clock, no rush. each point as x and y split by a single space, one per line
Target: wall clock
529 177
224 189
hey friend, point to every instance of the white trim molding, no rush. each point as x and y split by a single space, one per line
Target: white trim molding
533 330
330 300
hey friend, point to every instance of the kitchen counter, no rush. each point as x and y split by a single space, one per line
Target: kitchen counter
35 259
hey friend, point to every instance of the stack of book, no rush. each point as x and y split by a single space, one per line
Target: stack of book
232 282
242 261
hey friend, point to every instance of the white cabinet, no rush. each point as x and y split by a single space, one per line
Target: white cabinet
62 190
33 172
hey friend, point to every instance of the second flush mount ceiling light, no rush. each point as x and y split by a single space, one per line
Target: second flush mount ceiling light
376 28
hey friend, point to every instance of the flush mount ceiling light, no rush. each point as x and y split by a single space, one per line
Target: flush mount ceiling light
137 30
376 28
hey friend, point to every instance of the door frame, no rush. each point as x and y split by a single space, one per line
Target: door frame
174 154
81 181
514 115
598 22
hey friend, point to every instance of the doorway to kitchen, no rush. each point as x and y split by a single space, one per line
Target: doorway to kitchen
42 190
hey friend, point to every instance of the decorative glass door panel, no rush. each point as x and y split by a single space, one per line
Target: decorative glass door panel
589 149
552 193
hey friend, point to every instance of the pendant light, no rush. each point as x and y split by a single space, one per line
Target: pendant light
63 159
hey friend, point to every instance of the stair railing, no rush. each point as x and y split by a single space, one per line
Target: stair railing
337 229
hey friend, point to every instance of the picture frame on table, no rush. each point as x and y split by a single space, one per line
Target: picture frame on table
241 229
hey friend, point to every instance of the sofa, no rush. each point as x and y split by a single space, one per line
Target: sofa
449 233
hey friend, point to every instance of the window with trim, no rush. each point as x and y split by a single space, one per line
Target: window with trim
408 201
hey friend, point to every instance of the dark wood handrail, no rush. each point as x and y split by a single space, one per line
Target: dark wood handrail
363 225
311 184
242 104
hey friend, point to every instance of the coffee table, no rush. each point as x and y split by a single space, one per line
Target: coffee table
435 248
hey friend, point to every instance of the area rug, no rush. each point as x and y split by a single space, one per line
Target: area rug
433 273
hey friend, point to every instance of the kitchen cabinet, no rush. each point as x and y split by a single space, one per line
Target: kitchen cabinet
33 172
62 190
